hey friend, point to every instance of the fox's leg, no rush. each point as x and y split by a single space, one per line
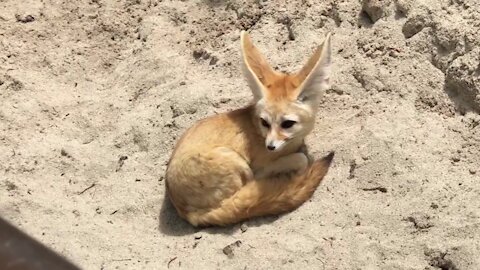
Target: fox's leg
202 181
233 161
291 163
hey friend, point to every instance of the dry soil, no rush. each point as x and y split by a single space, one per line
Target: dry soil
94 94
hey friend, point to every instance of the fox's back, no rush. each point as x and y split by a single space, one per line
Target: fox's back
234 130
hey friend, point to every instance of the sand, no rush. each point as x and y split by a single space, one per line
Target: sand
94 94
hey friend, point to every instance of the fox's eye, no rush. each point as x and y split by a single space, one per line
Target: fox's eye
265 123
288 124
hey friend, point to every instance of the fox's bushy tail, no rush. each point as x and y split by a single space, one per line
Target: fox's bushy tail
265 197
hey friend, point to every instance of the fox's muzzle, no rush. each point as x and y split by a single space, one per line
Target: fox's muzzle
274 145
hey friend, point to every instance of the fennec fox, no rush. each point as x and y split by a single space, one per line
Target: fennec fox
233 166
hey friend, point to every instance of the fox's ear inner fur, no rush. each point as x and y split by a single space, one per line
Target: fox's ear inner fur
315 75
257 71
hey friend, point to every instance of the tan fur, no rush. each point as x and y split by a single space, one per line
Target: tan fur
265 197
221 171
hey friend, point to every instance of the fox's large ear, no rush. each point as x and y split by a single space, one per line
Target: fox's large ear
315 75
255 67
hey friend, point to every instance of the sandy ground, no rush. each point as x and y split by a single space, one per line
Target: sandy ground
94 94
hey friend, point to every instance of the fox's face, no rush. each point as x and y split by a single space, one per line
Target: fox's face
285 104
282 121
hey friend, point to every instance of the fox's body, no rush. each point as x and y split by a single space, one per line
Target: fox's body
228 167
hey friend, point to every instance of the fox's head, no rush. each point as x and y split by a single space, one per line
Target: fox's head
285 104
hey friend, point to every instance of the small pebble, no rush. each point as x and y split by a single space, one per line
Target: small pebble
213 60
228 250
24 19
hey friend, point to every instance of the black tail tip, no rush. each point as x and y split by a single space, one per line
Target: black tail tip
328 158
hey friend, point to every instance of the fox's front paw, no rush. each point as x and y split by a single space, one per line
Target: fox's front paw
304 149
298 162
287 165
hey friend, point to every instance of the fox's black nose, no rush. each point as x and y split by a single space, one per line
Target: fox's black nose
271 147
